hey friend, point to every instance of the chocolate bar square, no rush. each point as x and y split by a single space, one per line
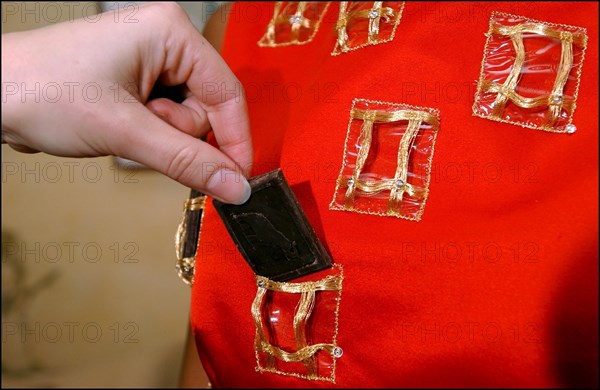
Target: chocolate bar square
272 232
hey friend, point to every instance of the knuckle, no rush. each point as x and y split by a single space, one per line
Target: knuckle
171 8
181 164
171 11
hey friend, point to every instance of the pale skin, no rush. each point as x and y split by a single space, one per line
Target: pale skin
126 62
115 117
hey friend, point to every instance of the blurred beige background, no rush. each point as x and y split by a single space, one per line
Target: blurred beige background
90 295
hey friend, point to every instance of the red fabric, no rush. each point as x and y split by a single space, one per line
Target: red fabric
496 286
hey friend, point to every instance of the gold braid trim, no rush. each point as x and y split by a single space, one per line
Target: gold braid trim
329 283
513 77
346 14
506 91
521 101
297 356
270 34
364 140
574 35
375 187
296 21
305 308
260 332
305 353
184 264
402 168
578 38
304 22
341 26
398 185
394 116
566 61
197 203
282 18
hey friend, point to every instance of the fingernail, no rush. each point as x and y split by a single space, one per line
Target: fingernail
229 187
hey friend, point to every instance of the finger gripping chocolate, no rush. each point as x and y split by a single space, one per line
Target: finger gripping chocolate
271 231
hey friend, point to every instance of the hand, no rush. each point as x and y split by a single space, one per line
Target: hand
81 89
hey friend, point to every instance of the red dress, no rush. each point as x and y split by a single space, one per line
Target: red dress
495 283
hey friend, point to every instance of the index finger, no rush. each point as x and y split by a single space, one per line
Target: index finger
217 90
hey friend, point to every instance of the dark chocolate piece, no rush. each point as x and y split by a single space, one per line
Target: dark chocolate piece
272 232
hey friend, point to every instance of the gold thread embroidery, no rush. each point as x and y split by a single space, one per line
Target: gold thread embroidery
298 356
185 266
304 353
402 168
555 100
341 25
491 86
350 11
297 20
329 283
305 308
197 203
397 185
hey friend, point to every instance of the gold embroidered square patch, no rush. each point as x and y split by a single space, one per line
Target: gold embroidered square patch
362 23
293 23
297 326
387 159
530 73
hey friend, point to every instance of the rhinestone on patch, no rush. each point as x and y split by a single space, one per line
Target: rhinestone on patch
337 352
185 270
571 128
398 183
557 100
262 284
373 14
350 182
295 19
